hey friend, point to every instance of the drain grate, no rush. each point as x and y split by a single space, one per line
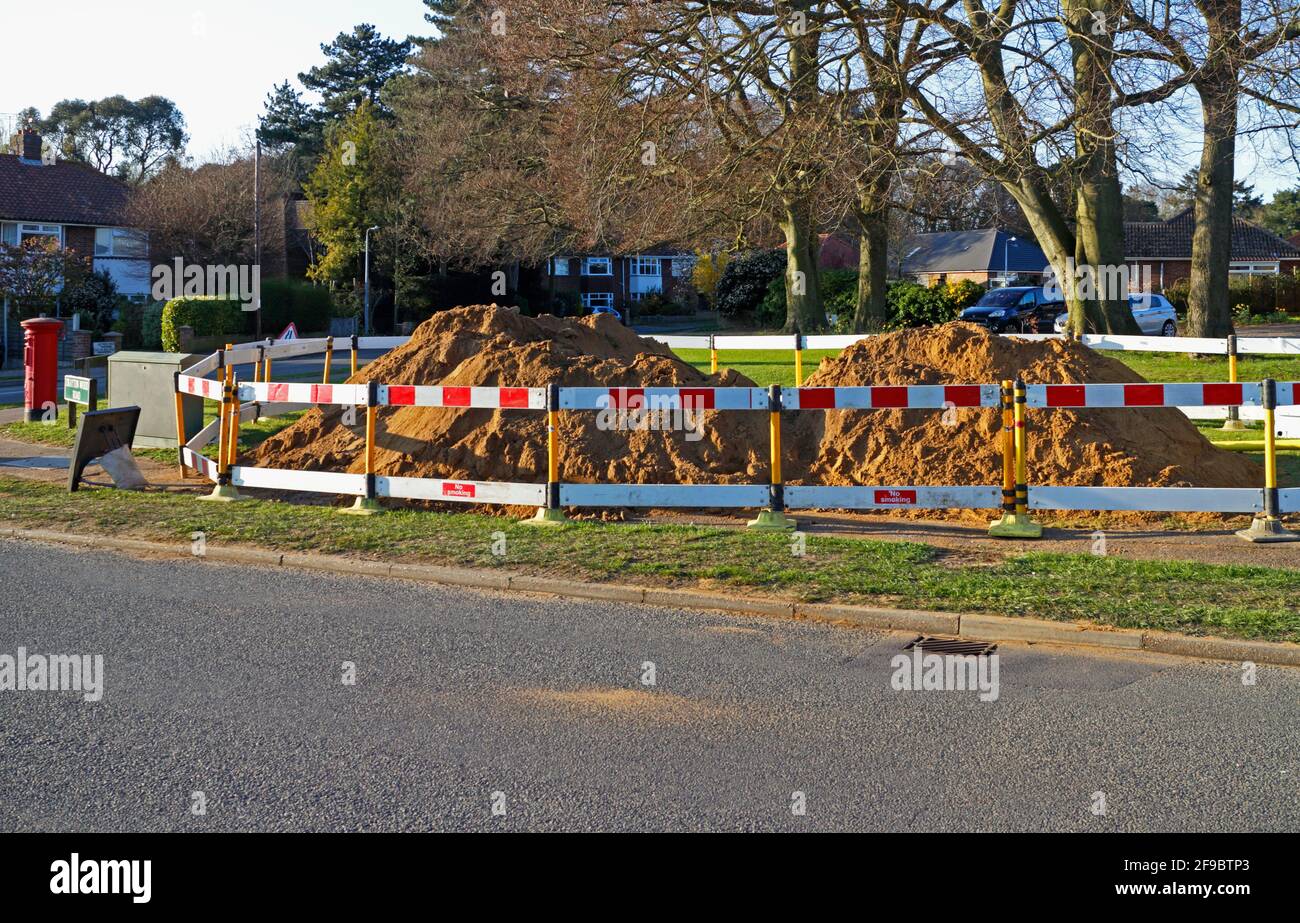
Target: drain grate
952 646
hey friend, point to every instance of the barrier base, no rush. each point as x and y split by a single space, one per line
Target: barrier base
772 521
1016 525
363 507
547 517
1266 530
223 493
1234 426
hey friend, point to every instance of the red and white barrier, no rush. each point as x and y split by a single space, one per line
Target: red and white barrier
903 397
691 399
200 387
316 482
892 498
1149 499
467 398
461 491
271 392
1145 395
666 496
200 463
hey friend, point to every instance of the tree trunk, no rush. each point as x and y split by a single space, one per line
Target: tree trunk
873 271
1101 302
1209 313
804 310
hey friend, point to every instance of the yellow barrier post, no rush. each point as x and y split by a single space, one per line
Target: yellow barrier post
257 365
224 492
236 419
329 359
369 504
1234 422
774 518
1267 527
713 354
552 514
181 438
1015 521
354 355
798 359
266 375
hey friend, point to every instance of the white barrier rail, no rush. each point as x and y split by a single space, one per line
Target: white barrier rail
1149 499
893 498
886 397
694 399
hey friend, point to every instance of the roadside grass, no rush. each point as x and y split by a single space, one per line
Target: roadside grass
1236 601
762 366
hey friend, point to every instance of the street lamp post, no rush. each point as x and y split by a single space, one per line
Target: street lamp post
1006 260
367 296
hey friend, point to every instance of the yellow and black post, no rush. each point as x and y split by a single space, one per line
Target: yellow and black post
225 491
713 354
1015 521
774 519
798 358
236 418
181 436
1233 423
257 365
1267 527
329 360
369 504
354 354
552 514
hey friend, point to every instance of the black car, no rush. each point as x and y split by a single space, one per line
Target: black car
1015 310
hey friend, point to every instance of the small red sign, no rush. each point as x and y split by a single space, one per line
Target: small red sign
461 491
895 498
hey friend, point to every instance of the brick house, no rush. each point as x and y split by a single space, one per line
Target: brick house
605 280
76 205
1163 249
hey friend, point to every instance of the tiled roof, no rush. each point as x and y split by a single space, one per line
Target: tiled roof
1172 240
987 250
63 193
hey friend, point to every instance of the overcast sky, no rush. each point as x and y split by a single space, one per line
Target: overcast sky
218 60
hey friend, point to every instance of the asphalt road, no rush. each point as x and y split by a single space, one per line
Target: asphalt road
229 681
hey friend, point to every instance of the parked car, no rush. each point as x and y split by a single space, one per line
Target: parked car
611 311
1153 313
1016 309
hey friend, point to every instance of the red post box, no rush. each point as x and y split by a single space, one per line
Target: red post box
40 366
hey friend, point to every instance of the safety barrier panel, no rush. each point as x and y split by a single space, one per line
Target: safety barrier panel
1015 496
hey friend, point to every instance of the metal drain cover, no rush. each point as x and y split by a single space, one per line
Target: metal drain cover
952 646
42 463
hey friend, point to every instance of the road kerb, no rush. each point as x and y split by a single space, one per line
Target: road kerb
974 627
941 623
1000 628
1222 648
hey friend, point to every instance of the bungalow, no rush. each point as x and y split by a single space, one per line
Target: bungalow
987 256
609 281
1162 250
77 206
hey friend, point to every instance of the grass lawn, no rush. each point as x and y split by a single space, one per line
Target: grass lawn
1243 602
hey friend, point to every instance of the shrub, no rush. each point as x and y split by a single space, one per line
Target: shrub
151 326
209 317
963 294
839 288
660 305
95 297
771 311
745 281
913 305
288 301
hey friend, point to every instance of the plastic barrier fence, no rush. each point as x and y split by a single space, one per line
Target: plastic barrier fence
1015 496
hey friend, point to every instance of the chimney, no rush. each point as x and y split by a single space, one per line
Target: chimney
31 144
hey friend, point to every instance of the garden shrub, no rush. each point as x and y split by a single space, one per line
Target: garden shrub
745 282
209 317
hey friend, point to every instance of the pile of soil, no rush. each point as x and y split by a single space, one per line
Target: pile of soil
1069 448
487 345
491 346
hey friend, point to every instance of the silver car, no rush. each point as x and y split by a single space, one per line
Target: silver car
1153 313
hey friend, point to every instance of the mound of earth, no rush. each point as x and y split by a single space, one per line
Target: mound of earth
491 346
1157 447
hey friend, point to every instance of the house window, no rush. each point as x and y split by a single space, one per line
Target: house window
121 243
9 234
597 266
645 266
593 300
28 232
1253 269
559 265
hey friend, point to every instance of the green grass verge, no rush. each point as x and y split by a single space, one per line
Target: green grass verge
1242 602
